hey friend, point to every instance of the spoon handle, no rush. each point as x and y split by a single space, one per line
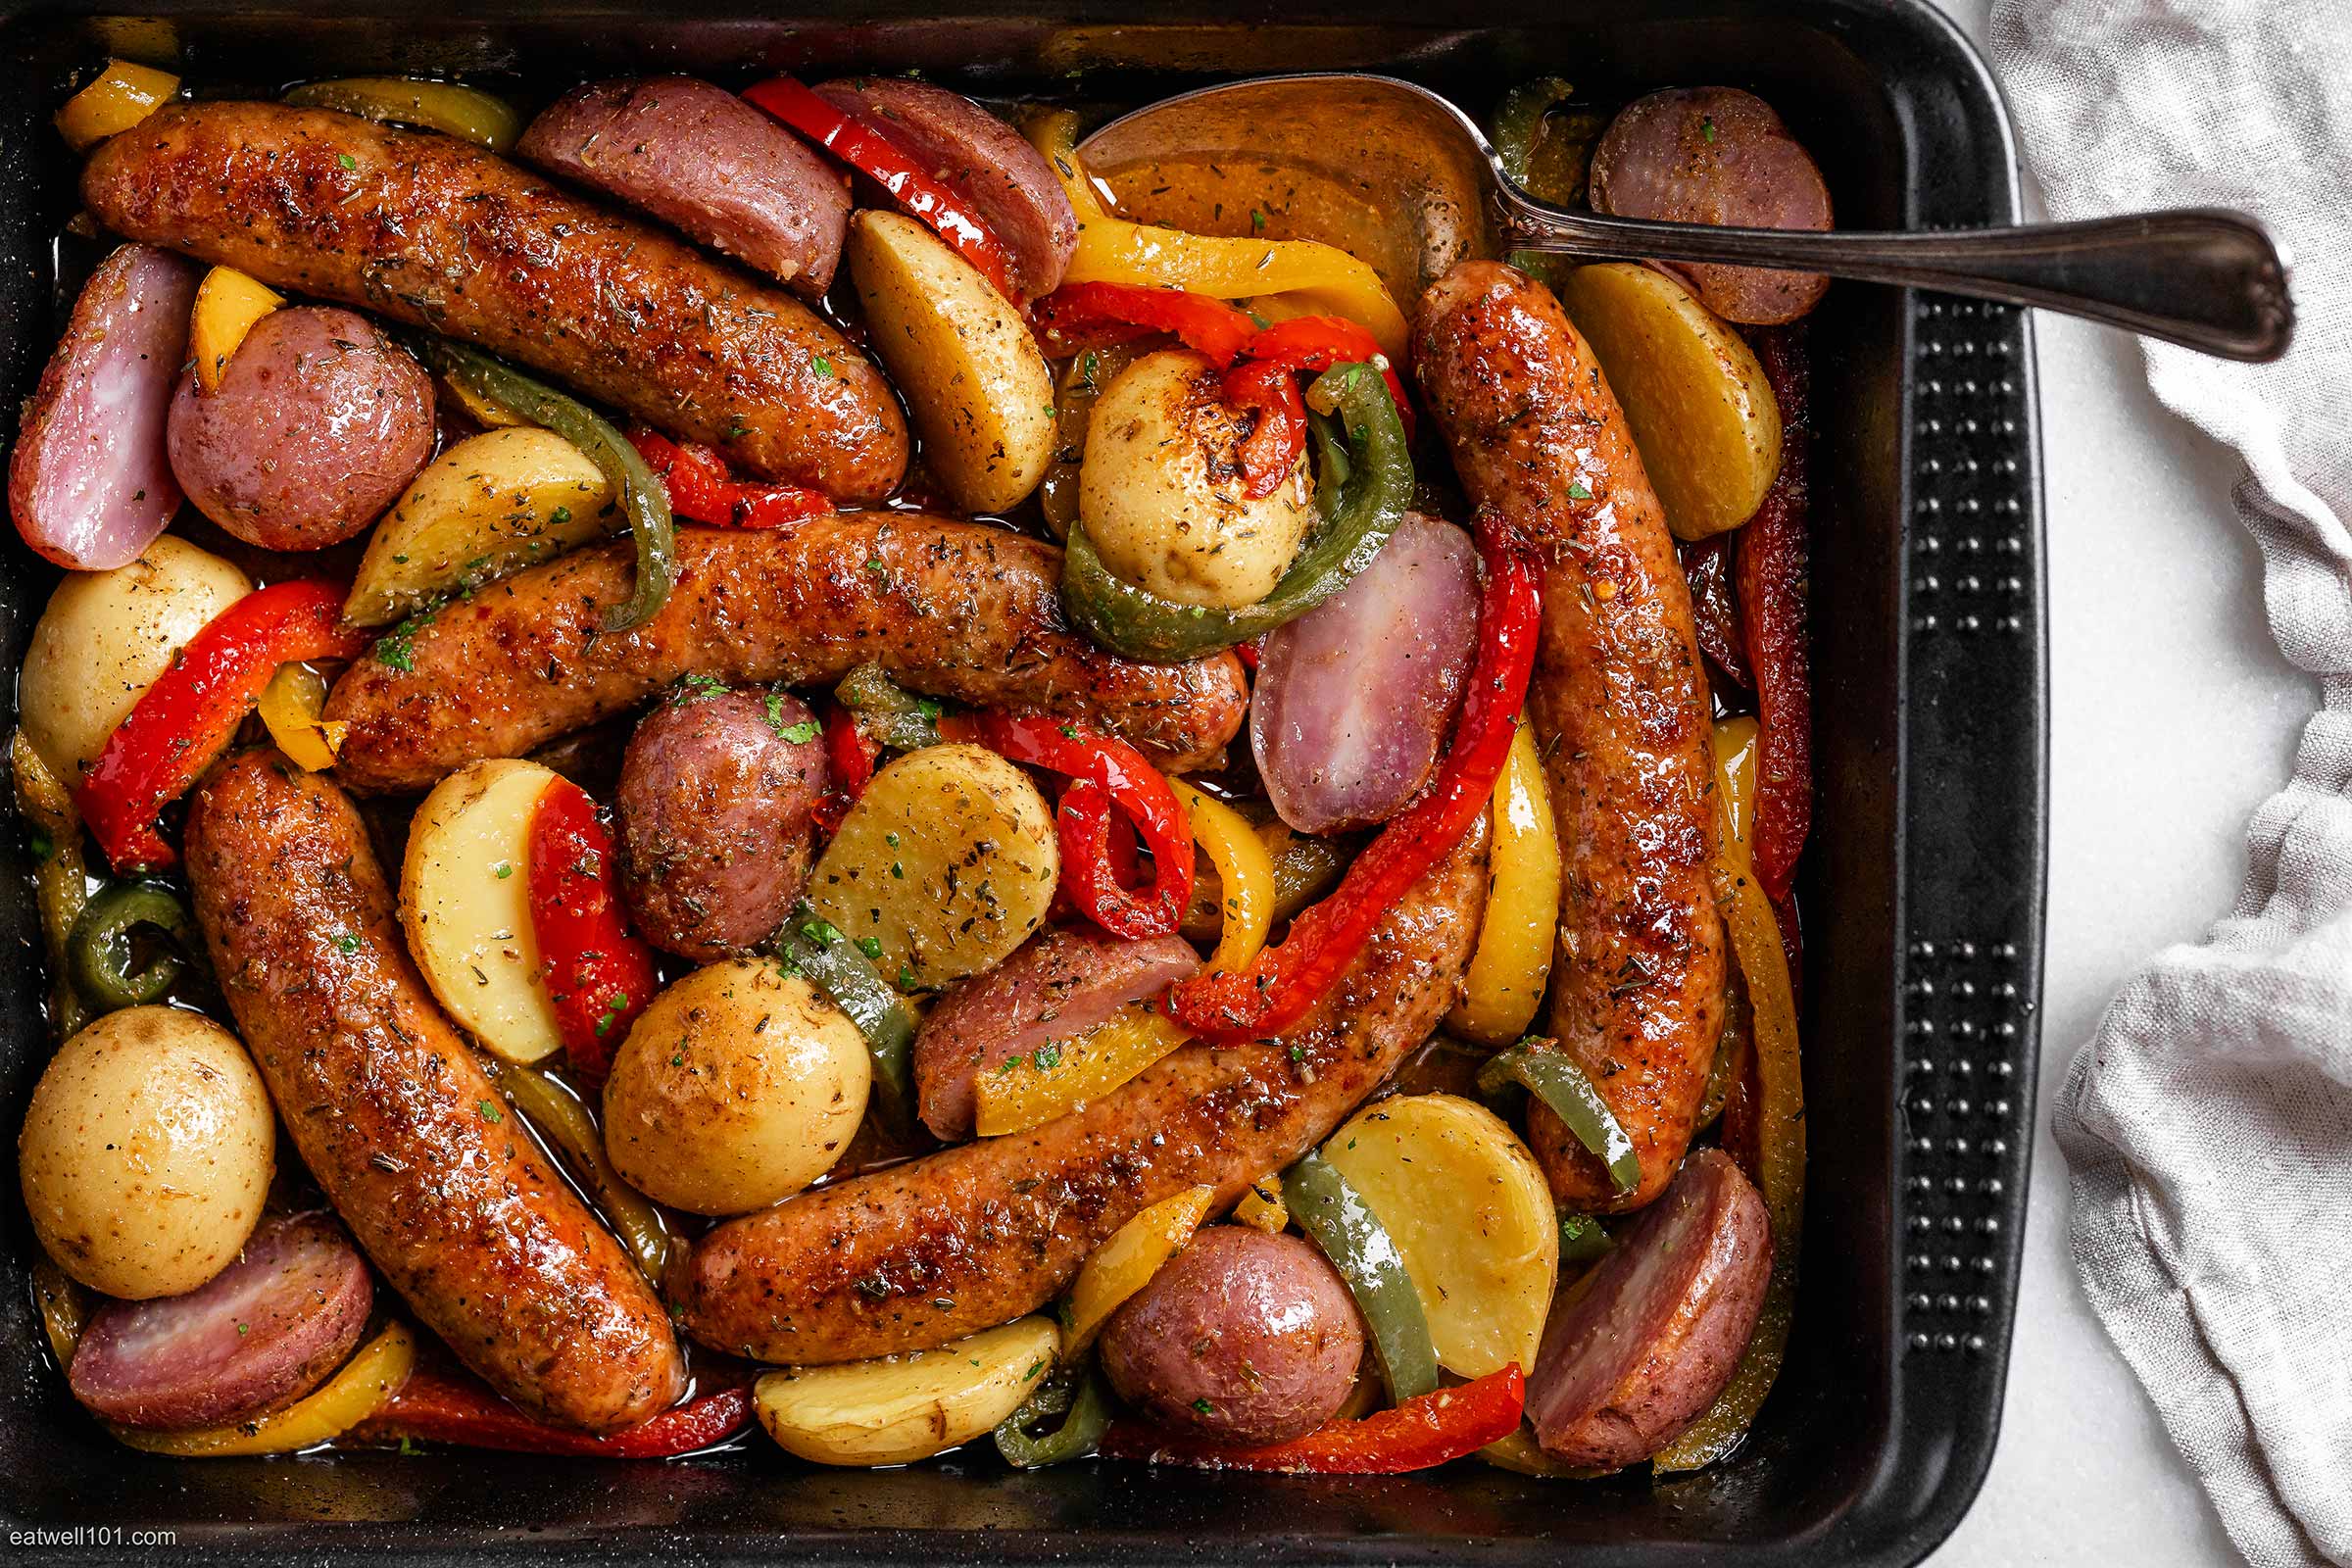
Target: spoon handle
2203 277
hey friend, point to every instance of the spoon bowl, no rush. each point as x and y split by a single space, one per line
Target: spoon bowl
1399 176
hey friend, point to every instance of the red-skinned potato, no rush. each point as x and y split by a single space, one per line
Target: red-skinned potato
716 794
265 1331
1716 155
1242 1337
89 486
318 426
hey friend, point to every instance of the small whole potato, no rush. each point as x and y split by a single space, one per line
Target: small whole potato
1242 1337
1161 492
104 639
146 1153
318 426
739 1085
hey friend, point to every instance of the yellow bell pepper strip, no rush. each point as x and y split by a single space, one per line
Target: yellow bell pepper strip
465 113
123 95
227 305
291 706
65 1308
1062 1075
1246 877
1507 972
1059 1077
349 1397
1261 1207
1306 867
1125 1264
60 884
1780 1152
1113 250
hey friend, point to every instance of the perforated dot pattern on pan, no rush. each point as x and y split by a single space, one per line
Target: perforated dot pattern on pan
1972 958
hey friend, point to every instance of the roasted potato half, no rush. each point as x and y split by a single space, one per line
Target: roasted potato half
1701 412
897 1409
464 900
1471 1215
493 504
981 395
945 865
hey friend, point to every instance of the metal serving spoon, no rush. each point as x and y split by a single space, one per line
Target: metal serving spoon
1409 183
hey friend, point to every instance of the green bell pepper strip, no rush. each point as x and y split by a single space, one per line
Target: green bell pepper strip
1085 1409
639 490
901 720
1336 1216
1362 490
1582 1239
567 1125
98 950
1549 1074
834 964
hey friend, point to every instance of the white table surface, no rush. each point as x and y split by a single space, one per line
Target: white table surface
2172 716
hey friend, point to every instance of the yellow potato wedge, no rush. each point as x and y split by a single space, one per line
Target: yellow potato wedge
1125 1264
945 865
464 903
1471 1215
897 1409
493 504
975 383
228 303
1701 412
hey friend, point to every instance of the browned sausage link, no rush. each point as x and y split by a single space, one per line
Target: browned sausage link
924 1253
396 1120
956 610
437 232
1620 706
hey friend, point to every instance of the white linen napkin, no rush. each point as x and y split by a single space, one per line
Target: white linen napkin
2209 1121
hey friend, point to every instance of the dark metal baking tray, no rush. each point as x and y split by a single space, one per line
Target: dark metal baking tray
1922 894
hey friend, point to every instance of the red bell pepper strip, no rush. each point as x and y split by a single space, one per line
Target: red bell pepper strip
703 489
440 1406
1771 566
600 974
850 755
1272 449
870 151
1426 1430
1316 343
1262 380
183 722
1108 778
1091 315
1278 987
1707 568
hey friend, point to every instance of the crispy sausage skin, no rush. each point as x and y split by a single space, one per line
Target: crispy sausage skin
921 1253
953 608
439 233
1620 707
394 1117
